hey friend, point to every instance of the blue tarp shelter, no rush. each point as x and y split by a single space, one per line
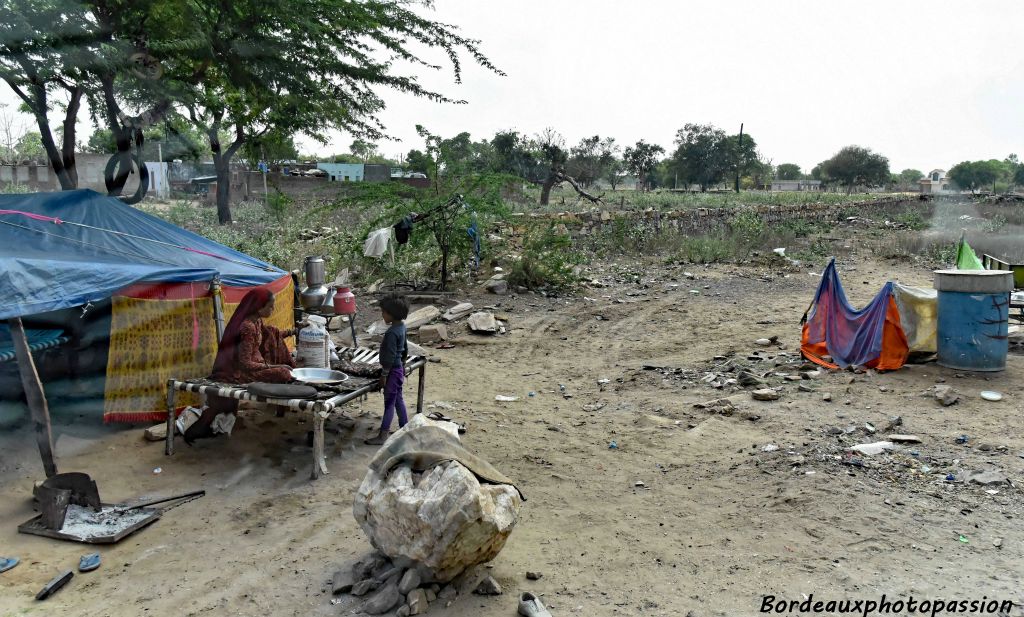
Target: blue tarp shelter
100 246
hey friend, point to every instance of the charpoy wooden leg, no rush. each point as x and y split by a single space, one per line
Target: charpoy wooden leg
169 443
421 387
319 462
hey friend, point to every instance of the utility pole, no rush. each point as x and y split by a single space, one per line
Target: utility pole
739 162
163 170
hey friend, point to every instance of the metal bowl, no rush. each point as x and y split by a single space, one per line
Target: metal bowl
322 376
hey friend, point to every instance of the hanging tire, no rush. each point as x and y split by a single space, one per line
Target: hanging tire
114 191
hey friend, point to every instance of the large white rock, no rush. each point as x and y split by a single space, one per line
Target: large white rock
444 520
415 319
484 323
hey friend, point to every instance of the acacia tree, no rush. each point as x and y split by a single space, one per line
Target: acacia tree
706 156
640 160
43 46
589 160
855 166
462 191
788 171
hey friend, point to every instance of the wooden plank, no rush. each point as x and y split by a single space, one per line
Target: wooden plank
169 430
34 394
53 586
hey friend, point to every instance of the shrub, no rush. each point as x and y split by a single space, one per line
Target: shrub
547 261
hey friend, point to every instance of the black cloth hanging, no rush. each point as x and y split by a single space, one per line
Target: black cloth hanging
403 229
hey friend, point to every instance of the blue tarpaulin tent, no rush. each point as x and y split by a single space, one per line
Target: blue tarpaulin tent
131 294
101 246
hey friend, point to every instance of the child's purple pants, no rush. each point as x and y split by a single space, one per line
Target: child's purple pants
393 398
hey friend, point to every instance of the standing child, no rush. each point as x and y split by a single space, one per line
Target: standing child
393 352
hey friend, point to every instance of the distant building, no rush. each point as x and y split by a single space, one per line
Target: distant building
796 185
374 172
343 172
937 183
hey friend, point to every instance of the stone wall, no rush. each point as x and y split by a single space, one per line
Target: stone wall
703 220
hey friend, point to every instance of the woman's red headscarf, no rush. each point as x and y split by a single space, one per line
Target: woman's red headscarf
227 353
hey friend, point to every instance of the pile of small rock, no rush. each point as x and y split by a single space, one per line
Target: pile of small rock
377 585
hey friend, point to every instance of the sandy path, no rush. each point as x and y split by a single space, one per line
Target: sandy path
719 523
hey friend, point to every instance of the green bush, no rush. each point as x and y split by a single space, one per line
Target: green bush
548 261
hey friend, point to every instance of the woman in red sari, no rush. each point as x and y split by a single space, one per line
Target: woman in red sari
250 350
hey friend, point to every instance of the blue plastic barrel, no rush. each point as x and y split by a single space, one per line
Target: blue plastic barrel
973 311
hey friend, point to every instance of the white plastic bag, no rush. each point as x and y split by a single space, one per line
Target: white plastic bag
377 243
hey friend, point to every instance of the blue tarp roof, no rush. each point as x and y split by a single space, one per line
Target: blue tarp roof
46 266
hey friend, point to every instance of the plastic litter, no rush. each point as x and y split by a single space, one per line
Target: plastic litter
501 398
532 394
950 477
158 470
962 439
613 445
871 449
964 539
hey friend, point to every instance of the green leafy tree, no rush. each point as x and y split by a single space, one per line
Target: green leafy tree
975 175
29 150
272 148
363 150
706 156
640 160
908 179
305 66
1018 175
856 166
43 46
613 172
788 171
418 161
589 160
460 192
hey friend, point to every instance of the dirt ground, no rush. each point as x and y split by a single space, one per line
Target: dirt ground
717 523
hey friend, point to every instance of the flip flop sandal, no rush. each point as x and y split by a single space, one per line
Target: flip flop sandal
440 417
89 562
6 563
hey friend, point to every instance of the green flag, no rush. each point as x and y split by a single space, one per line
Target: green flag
966 259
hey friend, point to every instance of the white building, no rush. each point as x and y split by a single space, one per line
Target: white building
937 183
796 185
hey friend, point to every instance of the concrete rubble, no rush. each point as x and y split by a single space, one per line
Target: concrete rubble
483 323
429 529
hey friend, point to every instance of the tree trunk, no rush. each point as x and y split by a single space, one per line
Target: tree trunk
223 168
68 145
545 190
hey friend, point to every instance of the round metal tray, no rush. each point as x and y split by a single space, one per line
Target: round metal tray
321 376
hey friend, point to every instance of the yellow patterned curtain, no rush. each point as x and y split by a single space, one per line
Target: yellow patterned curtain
151 341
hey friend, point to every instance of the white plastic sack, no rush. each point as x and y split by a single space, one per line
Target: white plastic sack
918 316
223 423
377 243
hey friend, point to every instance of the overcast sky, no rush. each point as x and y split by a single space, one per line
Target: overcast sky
927 84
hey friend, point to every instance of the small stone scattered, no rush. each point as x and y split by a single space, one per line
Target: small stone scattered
410 580
417 602
534 576
488 587
946 395
765 394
